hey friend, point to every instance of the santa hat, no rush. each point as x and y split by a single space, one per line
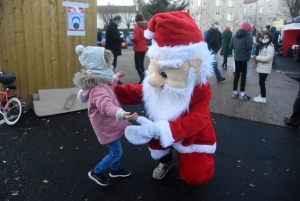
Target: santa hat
176 38
92 58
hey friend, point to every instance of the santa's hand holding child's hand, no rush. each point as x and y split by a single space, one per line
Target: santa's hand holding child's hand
144 133
120 74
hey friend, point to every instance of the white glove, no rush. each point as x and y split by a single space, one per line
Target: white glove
144 133
80 97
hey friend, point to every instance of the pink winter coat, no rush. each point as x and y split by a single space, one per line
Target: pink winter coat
103 106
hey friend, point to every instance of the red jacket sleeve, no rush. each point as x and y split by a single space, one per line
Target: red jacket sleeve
128 94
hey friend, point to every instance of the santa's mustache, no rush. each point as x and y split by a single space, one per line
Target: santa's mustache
171 91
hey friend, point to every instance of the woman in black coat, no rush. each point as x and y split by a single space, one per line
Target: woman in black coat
113 39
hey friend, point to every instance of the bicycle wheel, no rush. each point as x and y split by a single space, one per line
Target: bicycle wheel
14 114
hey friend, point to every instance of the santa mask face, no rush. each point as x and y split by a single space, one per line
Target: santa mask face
173 77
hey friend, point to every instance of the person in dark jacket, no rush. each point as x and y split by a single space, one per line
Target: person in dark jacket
267 28
241 43
213 39
99 37
258 38
140 45
113 39
275 35
294 120
226 51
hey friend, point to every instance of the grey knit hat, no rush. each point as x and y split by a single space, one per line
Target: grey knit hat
92 58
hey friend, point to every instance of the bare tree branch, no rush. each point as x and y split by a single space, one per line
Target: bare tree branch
294 7
108 12
128 12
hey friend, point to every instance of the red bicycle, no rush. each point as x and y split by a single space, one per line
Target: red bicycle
11 106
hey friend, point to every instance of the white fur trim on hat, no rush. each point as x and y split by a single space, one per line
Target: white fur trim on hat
174 57
148 34
210 149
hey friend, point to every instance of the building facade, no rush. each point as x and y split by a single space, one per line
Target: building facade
226 12
265 12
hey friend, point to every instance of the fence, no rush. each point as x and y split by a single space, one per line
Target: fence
34 43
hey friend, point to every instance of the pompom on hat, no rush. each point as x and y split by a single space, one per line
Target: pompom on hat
176 38
92 58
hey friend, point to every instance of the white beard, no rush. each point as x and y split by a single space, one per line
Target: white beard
167 103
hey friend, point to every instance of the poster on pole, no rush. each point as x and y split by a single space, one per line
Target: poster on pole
75 18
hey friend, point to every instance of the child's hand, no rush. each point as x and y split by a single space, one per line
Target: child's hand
129 116
120 74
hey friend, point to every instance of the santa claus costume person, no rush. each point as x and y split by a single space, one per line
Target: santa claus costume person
176 96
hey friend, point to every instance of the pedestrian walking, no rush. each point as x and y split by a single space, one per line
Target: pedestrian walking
275 36
253 46
114 40
140 45
264 65
99 37
226 51
214 43
241 43
258 39
268 27
107 117
294 120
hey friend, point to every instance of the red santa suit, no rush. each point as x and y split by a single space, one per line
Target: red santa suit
191 134
188 129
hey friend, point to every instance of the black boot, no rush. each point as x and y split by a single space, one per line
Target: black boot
225 67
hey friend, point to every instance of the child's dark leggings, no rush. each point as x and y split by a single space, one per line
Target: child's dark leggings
262 84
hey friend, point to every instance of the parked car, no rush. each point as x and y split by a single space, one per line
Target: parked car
149 42
130 43
124 45
122 34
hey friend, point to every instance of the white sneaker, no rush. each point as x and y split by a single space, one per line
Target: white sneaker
259 99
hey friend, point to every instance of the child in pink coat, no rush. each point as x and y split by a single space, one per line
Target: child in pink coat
108 119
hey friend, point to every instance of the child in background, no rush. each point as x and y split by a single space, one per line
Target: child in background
264 65
108 119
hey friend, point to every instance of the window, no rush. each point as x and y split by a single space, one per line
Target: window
260 9
270 8
282 8
250 20
218 2
245 9
197 16
230 4
259 21
217 16
199 3
250 9
229 17
192 4
268 20
244 20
